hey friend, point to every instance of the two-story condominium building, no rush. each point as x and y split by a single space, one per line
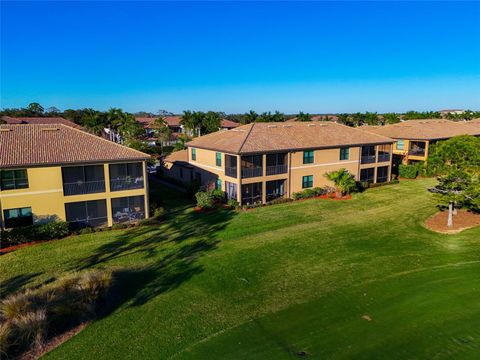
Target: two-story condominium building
56 172
263 161
413 137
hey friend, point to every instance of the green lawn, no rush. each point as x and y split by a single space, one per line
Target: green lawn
356 279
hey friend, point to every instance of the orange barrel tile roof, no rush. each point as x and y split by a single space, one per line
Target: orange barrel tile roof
271 137
33 145
428 129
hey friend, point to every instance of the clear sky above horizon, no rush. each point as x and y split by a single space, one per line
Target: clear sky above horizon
317 57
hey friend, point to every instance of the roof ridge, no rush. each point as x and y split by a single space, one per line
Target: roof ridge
246 137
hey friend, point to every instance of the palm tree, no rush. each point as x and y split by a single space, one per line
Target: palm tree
249 117
161 130
343 180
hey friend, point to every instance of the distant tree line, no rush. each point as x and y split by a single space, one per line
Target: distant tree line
201 123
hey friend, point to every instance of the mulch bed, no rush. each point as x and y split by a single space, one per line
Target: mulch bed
15 247
462 221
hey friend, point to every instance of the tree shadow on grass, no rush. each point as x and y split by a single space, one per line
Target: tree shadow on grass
15 283
168 256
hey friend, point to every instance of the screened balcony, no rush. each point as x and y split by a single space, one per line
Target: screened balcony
78 180
275 189
384 152
86 213
251 193
126 176
368 154
128 209
251 166
417 148
276 164
231 166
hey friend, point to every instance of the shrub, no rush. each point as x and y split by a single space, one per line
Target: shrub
6 335
48 231
159 212
29 316
232 203
86 230
52 230
30 328
407 171
119 226
205 200
279 201
218 195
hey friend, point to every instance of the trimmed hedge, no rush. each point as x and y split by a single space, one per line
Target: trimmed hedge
48 231
309 193
408 171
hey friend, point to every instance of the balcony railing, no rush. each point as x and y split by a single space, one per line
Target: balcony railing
90 221
416 152
252 172
276 169
382 179
368 159
80 187
383 157
126 183
231 171
274 196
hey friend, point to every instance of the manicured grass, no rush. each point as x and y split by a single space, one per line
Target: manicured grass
326 279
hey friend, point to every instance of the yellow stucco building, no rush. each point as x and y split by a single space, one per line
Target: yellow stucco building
55 172
263 161
414 137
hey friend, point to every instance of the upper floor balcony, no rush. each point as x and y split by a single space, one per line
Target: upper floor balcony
79 180
126 176
417 148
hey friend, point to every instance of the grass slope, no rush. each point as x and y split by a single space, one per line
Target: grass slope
329 279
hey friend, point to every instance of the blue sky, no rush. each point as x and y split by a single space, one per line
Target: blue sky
318 57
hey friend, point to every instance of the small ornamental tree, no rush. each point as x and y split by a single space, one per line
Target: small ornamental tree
454 190
343 180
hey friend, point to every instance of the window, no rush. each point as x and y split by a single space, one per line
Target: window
83 179
367 175
400 145
18 217
218 184
194 154
308 157
126 176
127 209
13 179
218 159
344 153
87 213
231 190
307 181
